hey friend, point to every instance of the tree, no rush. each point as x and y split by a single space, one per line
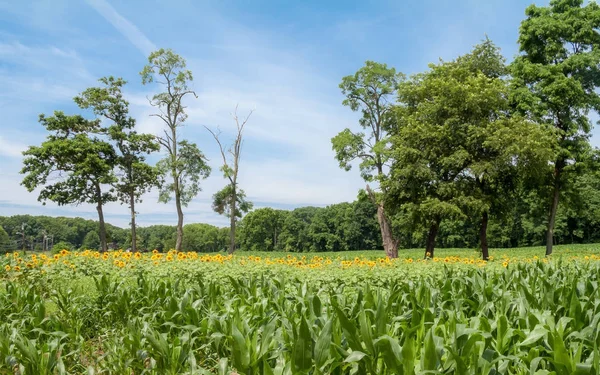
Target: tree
135 176
260 230
72 166
231 200
361 232
555 80
294 234
158 237
201 237
184 161
369 91
458 148
91 241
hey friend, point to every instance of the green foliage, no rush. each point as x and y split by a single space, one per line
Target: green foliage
4 238
369 91
457 150
71 165
91 241
337 227
163 63
555 81
204 238
190 168
222 202
136 176
157 237
60 246
261 229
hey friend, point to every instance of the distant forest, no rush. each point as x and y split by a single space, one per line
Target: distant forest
338 227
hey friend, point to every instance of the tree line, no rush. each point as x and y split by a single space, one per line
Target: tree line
338 227
104 159
475 138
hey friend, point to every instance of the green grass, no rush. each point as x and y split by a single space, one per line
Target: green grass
521 252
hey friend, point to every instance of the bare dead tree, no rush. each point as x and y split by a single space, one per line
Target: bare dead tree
231 200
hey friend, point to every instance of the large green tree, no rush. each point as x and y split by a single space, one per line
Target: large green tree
371 92
184 162
203 238
556 77
91 241
260 230
231 200
135 176
458 149
72 166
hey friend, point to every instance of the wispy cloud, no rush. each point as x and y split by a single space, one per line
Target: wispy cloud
126 28
11 149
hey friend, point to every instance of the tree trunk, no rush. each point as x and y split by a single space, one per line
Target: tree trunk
232 223
390 244
552 220
179 240
133 234
102 227
176 187
483 236
553 208
430 245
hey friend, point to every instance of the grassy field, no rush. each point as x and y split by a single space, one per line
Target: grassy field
521 252
314 313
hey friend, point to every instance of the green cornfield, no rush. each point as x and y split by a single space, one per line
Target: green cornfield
83 315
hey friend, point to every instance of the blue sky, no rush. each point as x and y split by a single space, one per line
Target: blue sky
284 59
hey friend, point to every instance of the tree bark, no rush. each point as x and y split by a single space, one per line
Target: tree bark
430 245
553 209
232 223
102 227
390 244
483 236
133 229
179 240
175 173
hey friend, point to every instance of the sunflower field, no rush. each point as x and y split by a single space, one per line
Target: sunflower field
187 313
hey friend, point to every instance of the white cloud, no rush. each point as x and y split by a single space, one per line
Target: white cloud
12 149
129 30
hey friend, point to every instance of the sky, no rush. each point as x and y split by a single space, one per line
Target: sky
282 59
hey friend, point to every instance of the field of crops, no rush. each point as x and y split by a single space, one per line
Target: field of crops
276 313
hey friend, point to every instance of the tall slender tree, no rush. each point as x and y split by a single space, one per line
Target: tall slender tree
371 91
135 176
72 166
556 77
185 163
231 200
